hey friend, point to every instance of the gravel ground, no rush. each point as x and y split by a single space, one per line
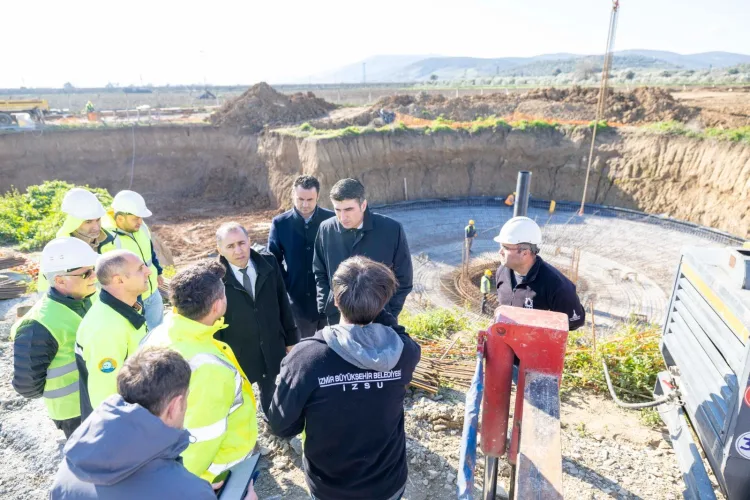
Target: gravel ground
607 452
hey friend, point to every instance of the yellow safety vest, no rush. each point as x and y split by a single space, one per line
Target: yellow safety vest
221 406
485 285
139 243
61 395
105 339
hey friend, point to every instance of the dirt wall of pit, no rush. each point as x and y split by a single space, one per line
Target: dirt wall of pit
173 165
702 181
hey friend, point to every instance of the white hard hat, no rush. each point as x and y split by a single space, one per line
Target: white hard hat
82 204
130 202
520 230
62 254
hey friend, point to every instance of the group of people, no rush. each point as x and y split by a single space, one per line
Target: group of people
160 406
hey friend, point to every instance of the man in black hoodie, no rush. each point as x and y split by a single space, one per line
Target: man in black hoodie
345 387
130 446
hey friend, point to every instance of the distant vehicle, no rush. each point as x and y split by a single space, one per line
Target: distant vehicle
36 108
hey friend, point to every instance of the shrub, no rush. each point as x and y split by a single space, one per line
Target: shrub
31 219
434 323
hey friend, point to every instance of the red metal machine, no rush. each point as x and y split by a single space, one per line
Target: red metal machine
538 339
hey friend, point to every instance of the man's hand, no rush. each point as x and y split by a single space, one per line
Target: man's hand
218 485
251 492
289 348
160 280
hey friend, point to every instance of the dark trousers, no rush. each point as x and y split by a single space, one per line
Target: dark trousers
266 387
484 303
306 327
68 426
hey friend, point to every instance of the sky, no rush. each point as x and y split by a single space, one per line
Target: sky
94 42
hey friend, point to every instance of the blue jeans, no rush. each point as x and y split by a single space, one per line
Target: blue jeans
153 310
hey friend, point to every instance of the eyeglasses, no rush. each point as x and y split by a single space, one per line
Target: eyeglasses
516 249
85 275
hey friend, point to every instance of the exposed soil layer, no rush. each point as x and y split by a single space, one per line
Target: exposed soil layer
642 105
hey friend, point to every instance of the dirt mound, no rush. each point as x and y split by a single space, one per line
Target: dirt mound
642 105
262 106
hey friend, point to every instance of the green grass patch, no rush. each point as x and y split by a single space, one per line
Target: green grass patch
534 125
600 125
741 134
31 219
632 356
434 323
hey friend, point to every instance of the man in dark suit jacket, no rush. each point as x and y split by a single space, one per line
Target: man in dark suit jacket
357 231
292 241
261 327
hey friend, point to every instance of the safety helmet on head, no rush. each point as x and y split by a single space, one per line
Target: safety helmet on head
487 272
130 202
62 254
520 230
471 222
82 204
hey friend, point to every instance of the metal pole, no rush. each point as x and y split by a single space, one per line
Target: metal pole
521 206
490 477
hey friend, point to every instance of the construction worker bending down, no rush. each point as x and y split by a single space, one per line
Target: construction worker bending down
83 221
113 327
125 221
221 407
525 280
44 362
470 232
485 287
345 387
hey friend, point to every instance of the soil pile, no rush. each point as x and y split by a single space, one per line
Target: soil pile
262 106
642 105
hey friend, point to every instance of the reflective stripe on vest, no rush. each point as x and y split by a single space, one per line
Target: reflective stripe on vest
217 469
217 429
61 396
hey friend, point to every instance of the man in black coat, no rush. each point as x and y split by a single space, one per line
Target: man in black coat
292 241
261 325
357 231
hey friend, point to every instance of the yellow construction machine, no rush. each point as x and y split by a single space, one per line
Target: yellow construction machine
34 107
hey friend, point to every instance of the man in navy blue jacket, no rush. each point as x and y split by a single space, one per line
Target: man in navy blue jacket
345 387
292 241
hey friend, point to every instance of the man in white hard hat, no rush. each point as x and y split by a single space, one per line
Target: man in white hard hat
83 221
44 363
525 280
125 220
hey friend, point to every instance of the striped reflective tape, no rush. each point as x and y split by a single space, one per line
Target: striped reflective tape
209 432
217 469
59 371
62 392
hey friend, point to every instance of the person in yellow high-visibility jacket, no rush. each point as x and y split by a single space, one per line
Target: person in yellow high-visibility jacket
112 329
44 362
221 407
125 221
485 288
83 212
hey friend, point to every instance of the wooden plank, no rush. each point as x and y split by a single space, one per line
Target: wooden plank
539 468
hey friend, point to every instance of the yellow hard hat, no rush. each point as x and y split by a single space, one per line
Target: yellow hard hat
471 222
487 272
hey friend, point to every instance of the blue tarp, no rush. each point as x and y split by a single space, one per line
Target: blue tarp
468 454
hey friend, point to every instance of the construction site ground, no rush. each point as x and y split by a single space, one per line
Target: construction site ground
608 452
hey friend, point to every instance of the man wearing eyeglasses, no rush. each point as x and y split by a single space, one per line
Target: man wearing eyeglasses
525 280
44 363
